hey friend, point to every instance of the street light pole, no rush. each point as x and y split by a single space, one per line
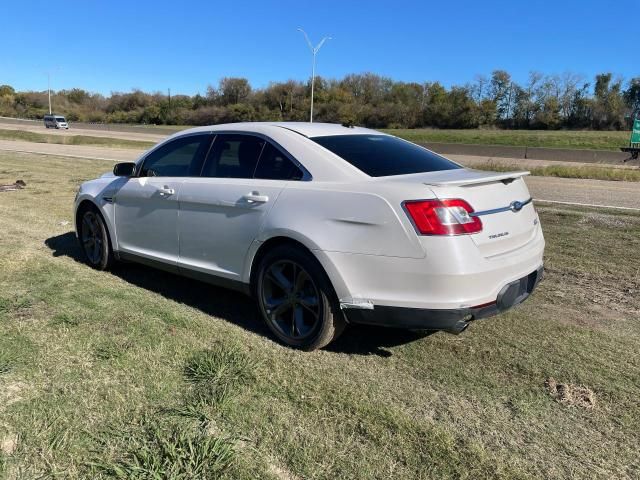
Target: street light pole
49 90
314 52
49 85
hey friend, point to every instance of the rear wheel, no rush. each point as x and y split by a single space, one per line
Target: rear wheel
94 240
296 299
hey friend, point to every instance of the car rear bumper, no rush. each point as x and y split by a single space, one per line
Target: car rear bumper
450 320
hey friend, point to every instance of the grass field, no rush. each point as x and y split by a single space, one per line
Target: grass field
140 374
595 140
72 139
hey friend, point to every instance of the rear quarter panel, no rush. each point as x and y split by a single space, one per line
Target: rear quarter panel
344 219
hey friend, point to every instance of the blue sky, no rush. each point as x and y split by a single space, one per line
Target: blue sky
116 45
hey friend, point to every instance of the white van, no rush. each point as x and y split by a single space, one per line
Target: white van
55 121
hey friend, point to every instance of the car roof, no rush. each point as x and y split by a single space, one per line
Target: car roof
306 129
293 137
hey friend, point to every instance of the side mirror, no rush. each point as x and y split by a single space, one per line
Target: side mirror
125 169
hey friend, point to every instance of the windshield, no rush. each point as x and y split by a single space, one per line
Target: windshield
384 155
60 119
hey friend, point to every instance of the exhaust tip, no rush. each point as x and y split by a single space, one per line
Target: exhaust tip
460 326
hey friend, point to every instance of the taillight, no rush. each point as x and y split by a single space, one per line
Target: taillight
443 217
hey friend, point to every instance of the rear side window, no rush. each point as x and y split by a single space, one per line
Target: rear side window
384 155
233 156
181 157
274 165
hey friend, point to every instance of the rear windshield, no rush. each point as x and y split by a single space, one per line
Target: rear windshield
384 155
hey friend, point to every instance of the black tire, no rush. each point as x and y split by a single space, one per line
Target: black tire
296 299
94 239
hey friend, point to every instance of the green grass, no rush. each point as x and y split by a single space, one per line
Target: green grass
566 171
105 368
595 140
217 372
73 139
168 452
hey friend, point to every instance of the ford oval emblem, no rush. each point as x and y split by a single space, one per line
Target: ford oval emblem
516 206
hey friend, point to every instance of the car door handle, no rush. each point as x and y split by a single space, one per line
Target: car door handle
166 191
255 197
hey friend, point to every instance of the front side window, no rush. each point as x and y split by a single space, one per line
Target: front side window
181 157
274 165
384 155
233 156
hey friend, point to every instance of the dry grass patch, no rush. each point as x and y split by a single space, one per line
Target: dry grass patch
571 395
8 444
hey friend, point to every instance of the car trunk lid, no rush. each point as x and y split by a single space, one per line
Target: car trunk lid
501 200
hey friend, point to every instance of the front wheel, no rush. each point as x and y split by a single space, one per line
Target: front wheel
94 240
296 299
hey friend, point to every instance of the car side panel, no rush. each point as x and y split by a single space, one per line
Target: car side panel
340 220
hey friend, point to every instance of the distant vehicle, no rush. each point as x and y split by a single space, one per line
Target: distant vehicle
55 121
323 224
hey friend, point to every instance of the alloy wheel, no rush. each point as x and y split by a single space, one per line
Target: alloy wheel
291 300
92 237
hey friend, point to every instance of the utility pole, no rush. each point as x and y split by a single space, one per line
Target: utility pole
314 51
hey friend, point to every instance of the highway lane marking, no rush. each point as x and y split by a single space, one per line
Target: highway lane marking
594 205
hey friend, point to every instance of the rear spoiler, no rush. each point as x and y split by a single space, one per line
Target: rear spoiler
483 177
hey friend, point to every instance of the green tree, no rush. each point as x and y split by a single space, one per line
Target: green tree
608 105
501 93
232 90
6 90
632 98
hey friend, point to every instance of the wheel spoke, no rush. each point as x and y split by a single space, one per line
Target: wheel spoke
300 280
310 304
298 321
280 309
271 303
87 226
278 277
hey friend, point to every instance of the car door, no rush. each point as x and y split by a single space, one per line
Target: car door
222 212
146 206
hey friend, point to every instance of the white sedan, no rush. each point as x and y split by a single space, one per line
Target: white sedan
323 225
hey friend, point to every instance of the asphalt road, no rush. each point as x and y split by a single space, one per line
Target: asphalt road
76 151
562 190
38 127
19 124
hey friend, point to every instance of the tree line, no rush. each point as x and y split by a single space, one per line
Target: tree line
542 102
